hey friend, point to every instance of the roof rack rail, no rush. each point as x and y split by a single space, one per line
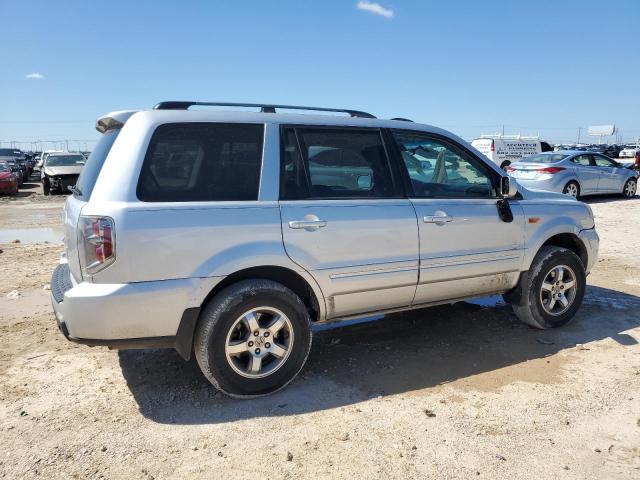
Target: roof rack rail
400 119
264 107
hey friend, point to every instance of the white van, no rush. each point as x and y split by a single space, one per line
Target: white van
505 149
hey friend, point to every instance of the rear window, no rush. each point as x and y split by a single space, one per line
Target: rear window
190 162
553 158
93 165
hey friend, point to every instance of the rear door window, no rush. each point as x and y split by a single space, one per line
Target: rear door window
334 163
584 160
189 162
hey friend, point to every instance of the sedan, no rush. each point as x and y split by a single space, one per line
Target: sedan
629 151
575 173
8 180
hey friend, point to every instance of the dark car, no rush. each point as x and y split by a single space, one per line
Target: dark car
612 151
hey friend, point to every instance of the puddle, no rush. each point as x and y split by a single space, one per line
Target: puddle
31 235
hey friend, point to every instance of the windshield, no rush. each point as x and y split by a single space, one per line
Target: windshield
4 167
90 172
65 160
552 158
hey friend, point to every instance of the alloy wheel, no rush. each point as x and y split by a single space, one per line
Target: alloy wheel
571 190
558 290
259 342
630 188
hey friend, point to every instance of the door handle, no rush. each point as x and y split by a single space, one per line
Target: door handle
440 218
309 223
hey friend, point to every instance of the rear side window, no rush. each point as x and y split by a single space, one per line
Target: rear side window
190 162
333 164
91 170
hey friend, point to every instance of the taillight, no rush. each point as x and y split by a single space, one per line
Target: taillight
510 169
551 170
492 147
97 243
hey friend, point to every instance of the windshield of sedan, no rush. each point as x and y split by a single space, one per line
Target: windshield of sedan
65 160
4 167
550 158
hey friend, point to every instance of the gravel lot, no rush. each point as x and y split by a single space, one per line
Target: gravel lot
450 392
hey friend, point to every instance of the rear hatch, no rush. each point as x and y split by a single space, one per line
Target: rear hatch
109 126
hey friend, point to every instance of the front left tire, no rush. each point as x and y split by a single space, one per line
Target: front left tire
551 292
253 338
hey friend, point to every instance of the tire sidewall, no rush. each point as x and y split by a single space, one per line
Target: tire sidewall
560 256
216 322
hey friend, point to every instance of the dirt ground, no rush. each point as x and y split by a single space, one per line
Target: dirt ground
462 391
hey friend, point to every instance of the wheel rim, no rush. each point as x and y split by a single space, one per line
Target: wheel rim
558 290
630 188
259 342
571 190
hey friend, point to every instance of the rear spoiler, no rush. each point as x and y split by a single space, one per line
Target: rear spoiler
113 120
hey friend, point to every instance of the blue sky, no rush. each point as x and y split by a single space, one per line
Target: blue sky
544 67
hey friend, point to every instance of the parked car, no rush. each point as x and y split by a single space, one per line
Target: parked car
44 156
575 173
229 234
8 179
10 156
612 151
60 171
629 151
506 149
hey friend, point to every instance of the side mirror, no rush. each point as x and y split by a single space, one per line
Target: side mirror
508 187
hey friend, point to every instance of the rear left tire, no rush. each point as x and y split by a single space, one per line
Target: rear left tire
572 189
253 338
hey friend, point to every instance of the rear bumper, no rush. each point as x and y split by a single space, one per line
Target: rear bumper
8 187
554 184
142 315
591 241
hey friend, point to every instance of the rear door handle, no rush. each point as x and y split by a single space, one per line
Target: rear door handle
440 218
310 223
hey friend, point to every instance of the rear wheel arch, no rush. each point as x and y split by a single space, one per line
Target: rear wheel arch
285 276
312 299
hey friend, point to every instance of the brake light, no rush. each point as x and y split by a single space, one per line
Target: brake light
96 243
492 147
551 170
510 169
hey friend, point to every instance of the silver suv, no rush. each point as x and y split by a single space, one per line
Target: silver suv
230 233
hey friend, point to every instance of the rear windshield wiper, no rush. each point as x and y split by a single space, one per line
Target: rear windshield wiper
75 190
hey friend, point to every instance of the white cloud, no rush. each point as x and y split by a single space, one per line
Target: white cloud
34 76
374 8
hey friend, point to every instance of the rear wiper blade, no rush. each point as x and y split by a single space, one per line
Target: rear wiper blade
75 190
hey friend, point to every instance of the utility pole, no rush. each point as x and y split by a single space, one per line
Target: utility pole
579 131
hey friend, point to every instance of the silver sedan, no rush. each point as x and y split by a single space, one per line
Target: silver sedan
575 173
